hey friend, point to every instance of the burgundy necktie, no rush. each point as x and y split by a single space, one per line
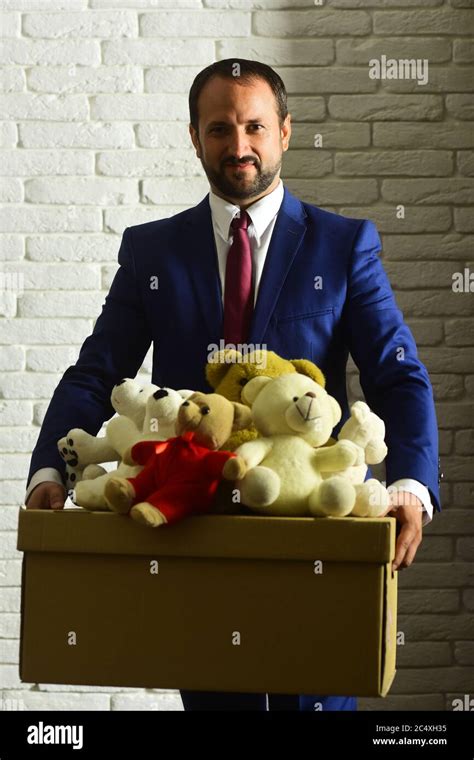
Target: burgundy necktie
238 292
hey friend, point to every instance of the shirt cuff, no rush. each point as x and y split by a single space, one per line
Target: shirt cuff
417 489
41 476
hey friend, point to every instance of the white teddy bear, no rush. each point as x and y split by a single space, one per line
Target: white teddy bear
289 471
83 452
161 411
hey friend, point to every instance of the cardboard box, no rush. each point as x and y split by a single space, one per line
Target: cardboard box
217 603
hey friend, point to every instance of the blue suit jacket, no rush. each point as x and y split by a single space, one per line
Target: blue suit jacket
353 310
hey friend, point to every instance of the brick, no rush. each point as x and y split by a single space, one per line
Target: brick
468 599
36 700
444 21
55 276
10 598
386 107
48 687
463 494
332 80
76 219
343 135
74 79
457 468
453 415
423 654
469 383
427 332
440 79
76 248
8 304
104 25
464 652
279 52
307 163
435 627
14 439
8 134
44 5
9 651
147 702
162 135
8 521
140 107
43 332
11 190
10 677
50 134
11 358
12 80
360 52
334 191
147 4
460 106
47 359
314 23
9 626
446 386
464 442
445 442
48 304
465 162
465 548
428 303
459 332
10 24
464 220
417 602
147 52
170 78
24 52
437 575
420 274
150 163
12 492
28 385
408 135
115 220
306 108
428 191
416 680
25 163
417 218
452 521
435 548
94 191
10 575
463 51
416 162
404 703
15 412
202 23
189 189
11 248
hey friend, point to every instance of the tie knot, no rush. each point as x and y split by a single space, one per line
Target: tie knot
240 222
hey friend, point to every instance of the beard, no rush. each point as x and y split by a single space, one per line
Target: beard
241 183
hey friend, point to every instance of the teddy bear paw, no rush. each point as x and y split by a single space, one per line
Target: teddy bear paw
119 494
234 469
147 514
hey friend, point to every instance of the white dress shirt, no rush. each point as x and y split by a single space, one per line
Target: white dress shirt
263 214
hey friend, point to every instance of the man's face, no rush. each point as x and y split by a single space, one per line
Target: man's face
240 142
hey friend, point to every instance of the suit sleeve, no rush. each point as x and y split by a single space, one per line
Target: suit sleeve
114 350
395 382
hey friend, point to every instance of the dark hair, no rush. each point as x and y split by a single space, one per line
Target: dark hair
247 70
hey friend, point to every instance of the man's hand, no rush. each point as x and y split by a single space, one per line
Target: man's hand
47 495
408 510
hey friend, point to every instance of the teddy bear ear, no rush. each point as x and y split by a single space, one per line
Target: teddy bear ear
242 416
185 394
251 389
218 365
305 367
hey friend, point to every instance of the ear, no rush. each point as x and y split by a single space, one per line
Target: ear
335 408
251 389
305 367
218 365
185 394
242 416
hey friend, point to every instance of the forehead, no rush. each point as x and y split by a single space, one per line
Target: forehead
220 96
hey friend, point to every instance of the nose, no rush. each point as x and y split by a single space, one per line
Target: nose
311 394
239 144
160 393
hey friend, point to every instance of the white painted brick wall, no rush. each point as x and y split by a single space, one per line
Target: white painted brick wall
93 138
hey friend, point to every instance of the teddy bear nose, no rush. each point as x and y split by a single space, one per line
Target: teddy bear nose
310 393
160 393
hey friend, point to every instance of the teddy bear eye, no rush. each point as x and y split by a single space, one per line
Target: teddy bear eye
205 410
295 398
243 381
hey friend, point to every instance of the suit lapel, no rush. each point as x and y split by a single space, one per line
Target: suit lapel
201 255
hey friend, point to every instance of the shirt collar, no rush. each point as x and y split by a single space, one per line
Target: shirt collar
262 212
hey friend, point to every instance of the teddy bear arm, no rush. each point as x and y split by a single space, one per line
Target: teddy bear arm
254 452
343 454
121 433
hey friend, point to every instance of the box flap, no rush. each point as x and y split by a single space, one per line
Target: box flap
347 539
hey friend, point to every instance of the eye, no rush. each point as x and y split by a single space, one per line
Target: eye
295 398
256 125
141 391
243 381
185 403
205 410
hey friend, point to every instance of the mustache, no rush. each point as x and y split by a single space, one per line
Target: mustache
244 159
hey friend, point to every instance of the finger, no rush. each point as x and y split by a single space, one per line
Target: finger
404 541
410 555
57 497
